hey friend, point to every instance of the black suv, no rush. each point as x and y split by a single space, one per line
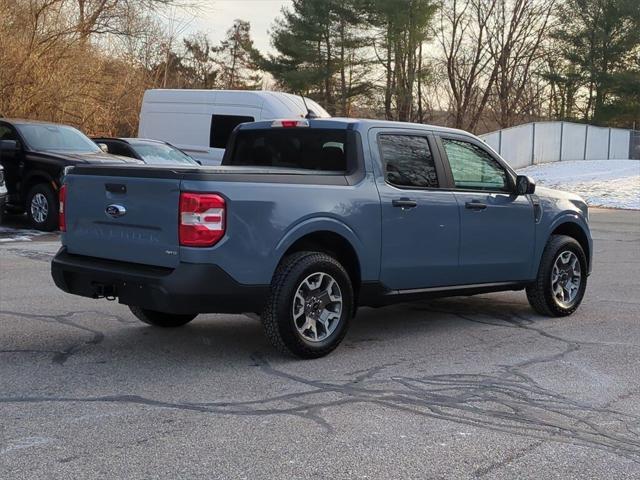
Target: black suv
34 155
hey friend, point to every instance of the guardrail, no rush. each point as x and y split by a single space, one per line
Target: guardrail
542 142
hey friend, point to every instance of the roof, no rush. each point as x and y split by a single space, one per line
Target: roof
22 121
276 101
364 124
128 140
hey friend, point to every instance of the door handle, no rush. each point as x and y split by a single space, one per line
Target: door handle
115 188
404 203
475 205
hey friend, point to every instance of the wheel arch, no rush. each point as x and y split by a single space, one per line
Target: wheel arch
573 229
328 236
34 178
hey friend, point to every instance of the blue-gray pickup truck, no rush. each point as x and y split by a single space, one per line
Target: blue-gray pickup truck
308 219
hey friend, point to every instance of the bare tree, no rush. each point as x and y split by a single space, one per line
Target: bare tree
516 44
471 68
489 49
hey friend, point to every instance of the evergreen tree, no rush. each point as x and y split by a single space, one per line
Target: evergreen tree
234 57
403 27
318 47
197 65
599 38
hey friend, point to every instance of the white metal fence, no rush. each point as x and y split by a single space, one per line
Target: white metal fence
543 142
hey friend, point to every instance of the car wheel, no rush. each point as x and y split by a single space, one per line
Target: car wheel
562 278
161 319
309 306
42 207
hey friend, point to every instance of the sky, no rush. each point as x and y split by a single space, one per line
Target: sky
216 16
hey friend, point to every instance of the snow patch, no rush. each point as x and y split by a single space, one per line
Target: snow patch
10 234
602 183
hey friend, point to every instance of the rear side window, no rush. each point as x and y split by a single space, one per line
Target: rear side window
408 161
304 148
221 128
118 148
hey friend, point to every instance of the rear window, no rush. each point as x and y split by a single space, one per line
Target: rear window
303 148
221 128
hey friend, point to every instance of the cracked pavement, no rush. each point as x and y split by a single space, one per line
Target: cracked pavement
468 387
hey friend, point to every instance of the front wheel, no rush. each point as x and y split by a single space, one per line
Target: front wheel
161 319
42 207
309 307
562 278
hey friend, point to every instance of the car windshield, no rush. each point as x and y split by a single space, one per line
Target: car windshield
57 138
159 153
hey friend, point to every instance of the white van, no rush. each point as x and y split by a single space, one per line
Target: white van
200 121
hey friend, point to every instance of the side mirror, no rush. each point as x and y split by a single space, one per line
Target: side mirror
525 185
8 146
104 147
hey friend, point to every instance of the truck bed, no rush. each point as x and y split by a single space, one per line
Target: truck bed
218 173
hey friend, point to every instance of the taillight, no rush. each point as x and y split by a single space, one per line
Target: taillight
62 195
289 123
202 219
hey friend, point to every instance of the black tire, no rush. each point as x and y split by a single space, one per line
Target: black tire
540 293
278 318
43 192
161 319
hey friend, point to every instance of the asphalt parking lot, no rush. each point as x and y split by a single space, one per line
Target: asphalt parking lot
471 387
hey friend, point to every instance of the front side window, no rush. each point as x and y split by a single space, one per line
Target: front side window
301 148
473 167
57 138
222 126
7 133
408 161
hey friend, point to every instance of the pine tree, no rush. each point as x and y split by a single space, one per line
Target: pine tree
319 49
234 57
600 39
403 27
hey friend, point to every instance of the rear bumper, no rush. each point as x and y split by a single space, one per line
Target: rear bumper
189 288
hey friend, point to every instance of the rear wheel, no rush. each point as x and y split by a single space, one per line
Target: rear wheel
161 319
42 207
562 278
311 301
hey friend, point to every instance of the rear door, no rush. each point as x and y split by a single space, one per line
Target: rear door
123 218
497 226
420 225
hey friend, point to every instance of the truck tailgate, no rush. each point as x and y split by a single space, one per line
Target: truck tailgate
123 218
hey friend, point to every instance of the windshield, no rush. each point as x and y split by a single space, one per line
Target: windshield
158 153
57 138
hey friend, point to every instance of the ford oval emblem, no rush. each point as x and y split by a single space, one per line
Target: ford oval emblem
115 211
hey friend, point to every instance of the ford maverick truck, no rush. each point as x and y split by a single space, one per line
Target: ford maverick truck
308 219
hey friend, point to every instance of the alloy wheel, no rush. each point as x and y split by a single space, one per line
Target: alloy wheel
566 277
317 307
39 208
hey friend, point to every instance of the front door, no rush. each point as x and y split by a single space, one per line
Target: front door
420 225
12 163
497 226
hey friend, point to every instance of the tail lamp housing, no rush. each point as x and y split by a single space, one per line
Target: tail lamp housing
62 197
202 219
